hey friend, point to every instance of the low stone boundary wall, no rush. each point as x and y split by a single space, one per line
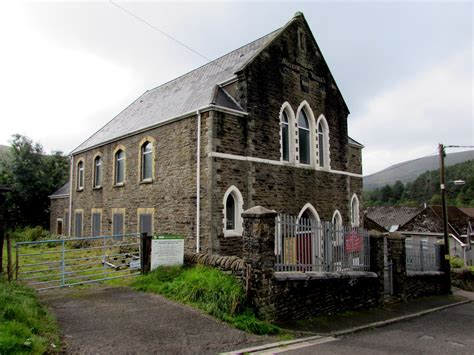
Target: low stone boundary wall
463 278
232 265
302 295
425 283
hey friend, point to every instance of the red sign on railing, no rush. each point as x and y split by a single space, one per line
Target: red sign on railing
352 242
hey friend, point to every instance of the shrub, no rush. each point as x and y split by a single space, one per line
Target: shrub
456 262
30 234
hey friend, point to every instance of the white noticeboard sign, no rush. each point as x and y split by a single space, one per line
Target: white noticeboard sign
167 250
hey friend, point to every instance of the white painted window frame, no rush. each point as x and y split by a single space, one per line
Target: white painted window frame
326 144
239 204
286 108
355 219
304 105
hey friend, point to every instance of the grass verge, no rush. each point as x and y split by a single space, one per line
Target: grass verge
209 290
26 327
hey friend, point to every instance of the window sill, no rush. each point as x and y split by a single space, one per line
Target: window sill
97 188
119 185
147 181
232 234
80 190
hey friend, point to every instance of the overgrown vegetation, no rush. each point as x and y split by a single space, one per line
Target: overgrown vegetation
30 234
426 189
32 176
26 327
209 290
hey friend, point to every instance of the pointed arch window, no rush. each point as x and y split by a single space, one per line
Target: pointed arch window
355 211
147 161
80 175
98 172
323 143
233 204
285 137
119 174
304 141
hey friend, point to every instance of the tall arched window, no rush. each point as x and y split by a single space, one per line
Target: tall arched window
119 174
80 175
98 172
233 204
285 137
323 142
354 211
309 242
304 140
147 161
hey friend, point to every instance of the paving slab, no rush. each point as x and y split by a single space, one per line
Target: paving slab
119 320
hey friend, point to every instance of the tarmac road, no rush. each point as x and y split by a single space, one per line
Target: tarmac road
119 320
450 331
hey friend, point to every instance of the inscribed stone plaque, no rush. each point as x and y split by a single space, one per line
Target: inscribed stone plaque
167 250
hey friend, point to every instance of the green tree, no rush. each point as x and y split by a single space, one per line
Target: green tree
32 177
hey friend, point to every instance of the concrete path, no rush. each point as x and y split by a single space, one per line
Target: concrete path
121 321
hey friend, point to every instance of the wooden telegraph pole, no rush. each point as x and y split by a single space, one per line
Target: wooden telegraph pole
442 180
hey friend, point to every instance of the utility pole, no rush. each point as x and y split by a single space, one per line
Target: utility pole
442 180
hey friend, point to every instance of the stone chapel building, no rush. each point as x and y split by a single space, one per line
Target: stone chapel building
262 125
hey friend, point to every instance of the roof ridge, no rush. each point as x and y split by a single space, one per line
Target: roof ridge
212 62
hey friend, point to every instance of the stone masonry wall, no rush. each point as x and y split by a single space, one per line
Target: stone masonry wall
57 210
172 194
426 283
271 79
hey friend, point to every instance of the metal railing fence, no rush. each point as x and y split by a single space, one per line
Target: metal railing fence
48 264
422 256
305 245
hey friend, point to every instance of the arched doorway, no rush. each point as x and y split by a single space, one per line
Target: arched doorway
308 246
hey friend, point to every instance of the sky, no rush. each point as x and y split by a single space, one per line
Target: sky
405 69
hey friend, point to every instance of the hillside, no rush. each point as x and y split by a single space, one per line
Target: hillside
425 189
408 171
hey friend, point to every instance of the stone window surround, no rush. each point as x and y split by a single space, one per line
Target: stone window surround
355 217
99 211
327 158
116 150
62 226
94 185
314 218
286 107
239 203
140 160
337 218
117 211
146 210
81 211
79 172
293 136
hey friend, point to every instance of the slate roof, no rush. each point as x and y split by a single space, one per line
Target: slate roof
63 191
354 142
458 220
180 96
468 210
387 216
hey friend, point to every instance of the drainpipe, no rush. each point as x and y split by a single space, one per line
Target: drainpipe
198 181
71 167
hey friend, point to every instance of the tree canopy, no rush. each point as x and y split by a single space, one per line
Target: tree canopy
32 176
425 189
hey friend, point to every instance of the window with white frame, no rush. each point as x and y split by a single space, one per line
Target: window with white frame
146 161
80 175
285 136
323 142
233 204
98 172
355 211
304 140
119 174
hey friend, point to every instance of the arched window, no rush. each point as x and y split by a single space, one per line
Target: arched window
119 174
354 211
308 239
98 172
80 175
337 219
304 140
147 161
323 142
285 137
233 204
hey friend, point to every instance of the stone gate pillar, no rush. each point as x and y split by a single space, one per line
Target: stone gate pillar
397 255
259 254
377 261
